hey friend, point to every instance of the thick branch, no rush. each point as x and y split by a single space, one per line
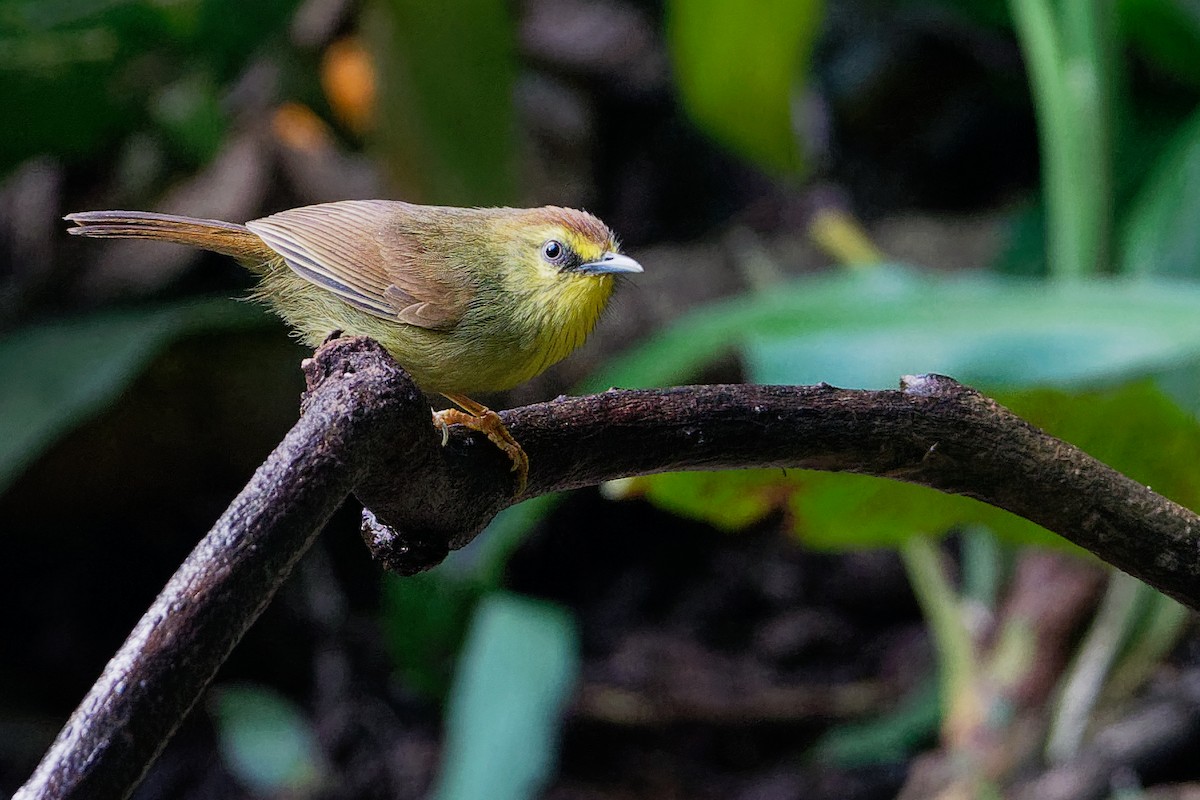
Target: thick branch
156 677
365 427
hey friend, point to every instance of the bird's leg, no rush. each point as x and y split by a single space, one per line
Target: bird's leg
480 418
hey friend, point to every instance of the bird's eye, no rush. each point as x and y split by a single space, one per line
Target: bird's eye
553 251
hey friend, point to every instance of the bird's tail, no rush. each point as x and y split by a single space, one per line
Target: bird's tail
227 238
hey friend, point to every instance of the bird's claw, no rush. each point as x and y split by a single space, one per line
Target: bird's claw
489 424
441 424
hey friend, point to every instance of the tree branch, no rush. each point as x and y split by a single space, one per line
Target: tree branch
366 428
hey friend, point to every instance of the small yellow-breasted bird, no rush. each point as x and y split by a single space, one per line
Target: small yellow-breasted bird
467 300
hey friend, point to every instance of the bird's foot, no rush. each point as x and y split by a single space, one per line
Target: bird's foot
487 422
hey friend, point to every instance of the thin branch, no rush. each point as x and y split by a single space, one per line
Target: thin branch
365 427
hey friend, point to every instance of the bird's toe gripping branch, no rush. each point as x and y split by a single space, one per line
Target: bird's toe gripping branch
421 499
488 423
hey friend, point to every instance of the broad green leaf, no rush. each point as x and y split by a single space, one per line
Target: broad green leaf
516 672
265 741
446 126
852 512
1134 428
739 68
866 329
1161 234
54 377
1043 351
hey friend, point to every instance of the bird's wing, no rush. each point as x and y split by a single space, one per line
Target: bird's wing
356 250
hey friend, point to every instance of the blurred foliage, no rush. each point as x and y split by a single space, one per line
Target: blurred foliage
424 623
1161 234
741 74
518 668
483 561
890 738
1133 629
75 75
71 371
426 616
266 742
1070 55
1011 339
447 128
1167 32
1005 336
864 329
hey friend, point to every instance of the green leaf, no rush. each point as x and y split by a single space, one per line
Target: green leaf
447 126
265 741
517 670
739 70
857 512
727 500
832 512
866 329
1161 234
54 377
1070 57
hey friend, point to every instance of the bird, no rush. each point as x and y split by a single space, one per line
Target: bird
467 300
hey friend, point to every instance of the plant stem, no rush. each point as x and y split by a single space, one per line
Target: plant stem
951 639
1071 66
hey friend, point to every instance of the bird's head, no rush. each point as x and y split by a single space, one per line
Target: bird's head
562 263
556 248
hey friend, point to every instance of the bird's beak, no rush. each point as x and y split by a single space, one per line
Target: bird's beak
609 264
